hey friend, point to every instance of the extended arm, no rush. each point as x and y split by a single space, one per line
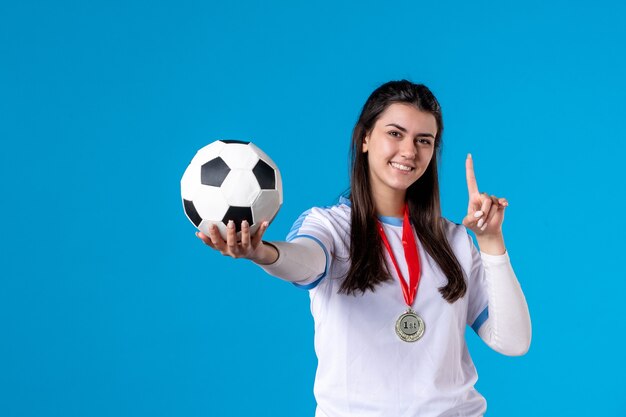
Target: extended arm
301 260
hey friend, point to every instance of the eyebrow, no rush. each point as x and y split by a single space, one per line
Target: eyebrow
404 130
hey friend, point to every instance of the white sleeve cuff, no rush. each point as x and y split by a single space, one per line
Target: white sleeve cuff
495 259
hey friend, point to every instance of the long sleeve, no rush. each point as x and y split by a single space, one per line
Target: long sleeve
301 261
507 329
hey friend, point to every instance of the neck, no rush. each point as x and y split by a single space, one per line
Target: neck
391 205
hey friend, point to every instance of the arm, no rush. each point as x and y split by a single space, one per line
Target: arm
297 261
302 260
507 329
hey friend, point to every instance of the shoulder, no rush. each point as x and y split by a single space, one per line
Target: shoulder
458 237
454 230
463 246
334 218
339 211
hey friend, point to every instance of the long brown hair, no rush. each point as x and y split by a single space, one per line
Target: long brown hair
368 267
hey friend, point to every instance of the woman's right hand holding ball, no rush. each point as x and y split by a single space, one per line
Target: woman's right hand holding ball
250 247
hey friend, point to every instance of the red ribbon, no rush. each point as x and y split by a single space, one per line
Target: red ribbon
411 255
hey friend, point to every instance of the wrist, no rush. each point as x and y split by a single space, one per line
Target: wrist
267 254
491 244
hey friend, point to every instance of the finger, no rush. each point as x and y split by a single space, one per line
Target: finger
503 202
231 237
492 213
469 221
485 208
216 238
472 186
245 236
204 238
259 234
472 218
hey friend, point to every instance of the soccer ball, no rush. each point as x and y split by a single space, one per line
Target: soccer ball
231 180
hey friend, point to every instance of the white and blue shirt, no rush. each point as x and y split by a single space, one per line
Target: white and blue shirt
364 369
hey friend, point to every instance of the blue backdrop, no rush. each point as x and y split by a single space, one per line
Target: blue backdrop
110 306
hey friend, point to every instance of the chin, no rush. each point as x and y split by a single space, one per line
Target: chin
407 180
402 186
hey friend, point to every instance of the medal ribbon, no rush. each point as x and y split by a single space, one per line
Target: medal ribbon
411 255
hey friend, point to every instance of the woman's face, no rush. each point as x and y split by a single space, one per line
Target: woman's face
399 149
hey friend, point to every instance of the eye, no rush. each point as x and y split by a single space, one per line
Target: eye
395 133
424 141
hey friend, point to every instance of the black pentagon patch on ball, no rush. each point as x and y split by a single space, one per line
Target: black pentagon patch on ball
265 175
238 214
214 172
191 212
235 141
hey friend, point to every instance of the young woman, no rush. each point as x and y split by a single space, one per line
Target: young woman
392 283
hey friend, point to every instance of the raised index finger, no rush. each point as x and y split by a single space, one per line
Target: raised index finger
472 186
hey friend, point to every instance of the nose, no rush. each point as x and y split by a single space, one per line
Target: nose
407 149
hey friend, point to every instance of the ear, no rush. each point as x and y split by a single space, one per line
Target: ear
365 140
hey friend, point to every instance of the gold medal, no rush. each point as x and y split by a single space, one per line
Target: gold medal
409 326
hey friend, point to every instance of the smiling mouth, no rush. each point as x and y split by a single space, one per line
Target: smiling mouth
401 167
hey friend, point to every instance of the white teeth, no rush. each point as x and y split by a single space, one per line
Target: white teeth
402 167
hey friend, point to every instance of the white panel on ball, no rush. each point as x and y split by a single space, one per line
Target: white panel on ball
240 188
204 227
239 156
210 151
262 154
190 182
279 186
210 202
264 208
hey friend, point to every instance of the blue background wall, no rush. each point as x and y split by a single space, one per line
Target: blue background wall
110 306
